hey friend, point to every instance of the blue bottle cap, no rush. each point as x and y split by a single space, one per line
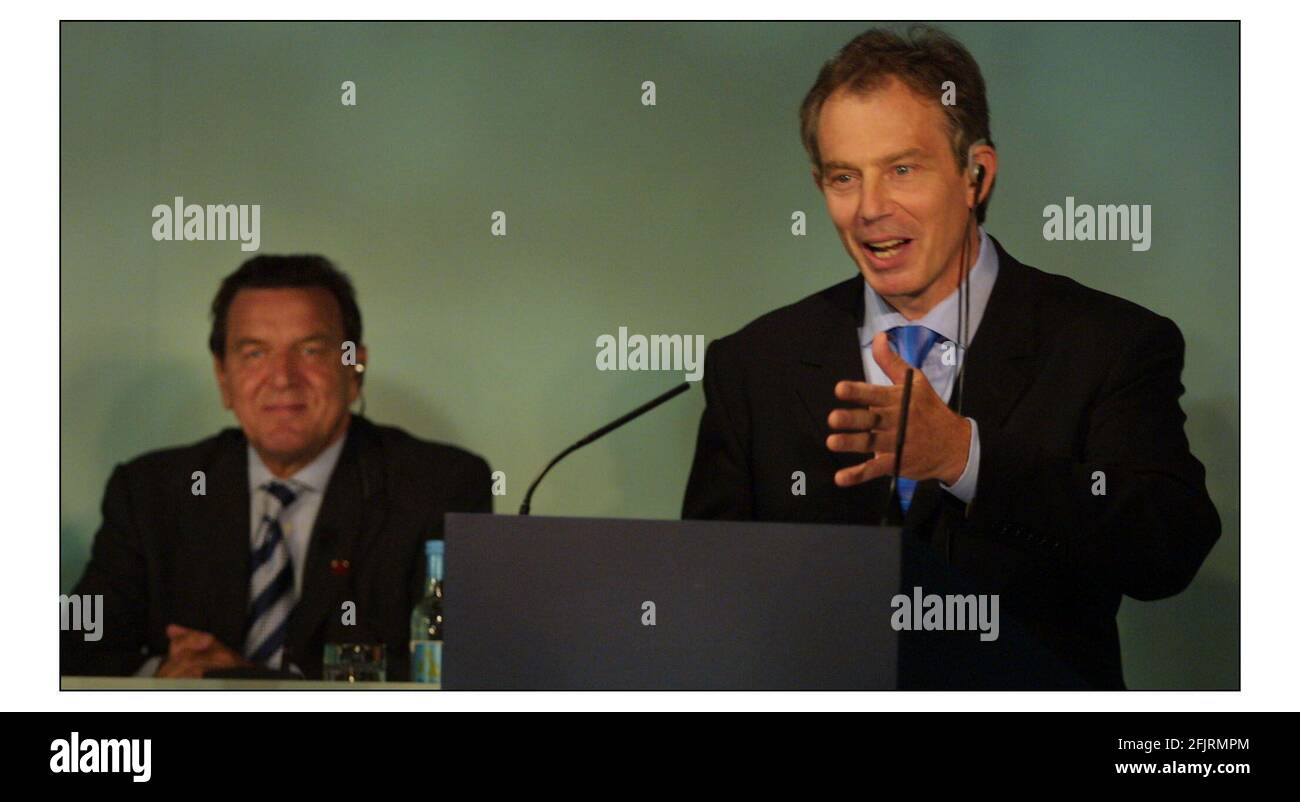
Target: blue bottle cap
432 547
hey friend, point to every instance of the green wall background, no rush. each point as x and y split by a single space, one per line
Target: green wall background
671 219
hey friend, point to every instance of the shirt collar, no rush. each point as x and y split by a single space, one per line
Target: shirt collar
314 475
880 316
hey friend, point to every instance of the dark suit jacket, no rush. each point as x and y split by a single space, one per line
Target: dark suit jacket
163 555
1062 380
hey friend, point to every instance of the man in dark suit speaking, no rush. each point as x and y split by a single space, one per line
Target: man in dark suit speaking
1055 471
304 526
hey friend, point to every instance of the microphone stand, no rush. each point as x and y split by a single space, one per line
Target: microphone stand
526 507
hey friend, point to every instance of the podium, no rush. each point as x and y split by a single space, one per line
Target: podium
546 603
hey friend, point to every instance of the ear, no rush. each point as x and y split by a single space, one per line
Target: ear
357 376
223 381
982 155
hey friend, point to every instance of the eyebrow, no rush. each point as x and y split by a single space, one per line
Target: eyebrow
893 157
243 341
910 153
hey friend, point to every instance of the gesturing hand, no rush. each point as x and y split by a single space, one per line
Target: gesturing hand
938 439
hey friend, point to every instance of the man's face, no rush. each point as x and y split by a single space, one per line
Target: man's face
889 174
283 373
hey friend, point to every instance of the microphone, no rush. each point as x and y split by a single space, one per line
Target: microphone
596 435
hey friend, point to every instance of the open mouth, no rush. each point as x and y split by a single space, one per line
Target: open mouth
885 253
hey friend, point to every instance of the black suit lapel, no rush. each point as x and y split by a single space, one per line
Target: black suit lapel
828 352
222 537
999 366
829 349
348 517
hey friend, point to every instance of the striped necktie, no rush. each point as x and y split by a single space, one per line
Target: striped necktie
912 343
271 582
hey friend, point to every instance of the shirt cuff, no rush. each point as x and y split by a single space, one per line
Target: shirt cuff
964 489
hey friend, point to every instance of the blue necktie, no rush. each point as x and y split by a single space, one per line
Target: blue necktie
912 343
271 583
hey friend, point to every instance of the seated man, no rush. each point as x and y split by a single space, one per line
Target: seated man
1054 473
246 549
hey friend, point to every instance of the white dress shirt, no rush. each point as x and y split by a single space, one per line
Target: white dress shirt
297 521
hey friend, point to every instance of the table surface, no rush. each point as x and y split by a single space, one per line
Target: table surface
157 684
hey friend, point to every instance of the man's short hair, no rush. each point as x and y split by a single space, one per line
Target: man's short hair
923 61
273 272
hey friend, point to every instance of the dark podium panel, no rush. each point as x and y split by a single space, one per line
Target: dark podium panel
592 603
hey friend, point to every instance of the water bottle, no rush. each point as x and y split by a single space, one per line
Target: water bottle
426 621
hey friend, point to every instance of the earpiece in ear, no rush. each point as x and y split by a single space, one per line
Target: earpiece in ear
979 182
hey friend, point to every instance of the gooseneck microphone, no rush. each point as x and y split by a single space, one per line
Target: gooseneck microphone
898 444
596 435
